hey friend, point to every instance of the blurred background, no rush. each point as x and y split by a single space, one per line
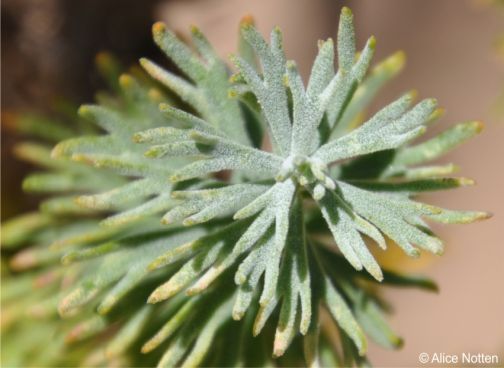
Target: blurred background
48 51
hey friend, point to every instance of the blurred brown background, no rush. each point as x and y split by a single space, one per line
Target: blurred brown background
48 47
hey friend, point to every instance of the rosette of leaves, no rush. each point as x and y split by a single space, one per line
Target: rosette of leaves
181 233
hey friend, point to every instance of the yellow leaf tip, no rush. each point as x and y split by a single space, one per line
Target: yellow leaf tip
372 42
126 81
144 62
484 215
163 106
399 56
189 222
103 58
247 21
466 181
397 61
106 63
137 138
158 28
84 111
346 11
103 309
478 126
237 316
175 178
153 298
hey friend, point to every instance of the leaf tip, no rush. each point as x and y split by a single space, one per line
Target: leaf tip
414 253
484 215
175 178
154 298
438 113
137 138
145 63
126 81
239 278
465 182
247 21
412 95
84 111
158 28
372 42
194 29
105 307
237 315
346 11
393 64
189 222
23 260
278 351
478 126
104 60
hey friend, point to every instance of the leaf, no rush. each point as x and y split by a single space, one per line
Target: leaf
383 72
438 145
175 321
392 215
128 333
415 186
271 88
17 230
342 314
378 133
346 40
203 205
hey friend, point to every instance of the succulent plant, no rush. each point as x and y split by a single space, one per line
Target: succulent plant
191 211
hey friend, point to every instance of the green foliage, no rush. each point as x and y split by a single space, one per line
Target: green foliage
171 231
